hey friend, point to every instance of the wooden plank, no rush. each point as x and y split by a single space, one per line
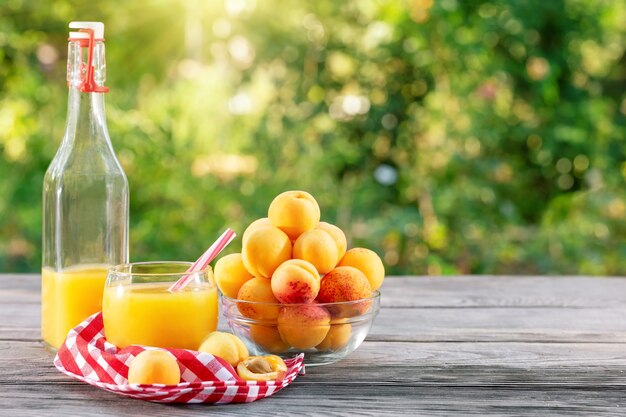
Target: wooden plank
501 324
410 364
559 325
22 288
457 291
334 400
500 291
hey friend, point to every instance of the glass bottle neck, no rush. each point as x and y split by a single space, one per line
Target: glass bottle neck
86 120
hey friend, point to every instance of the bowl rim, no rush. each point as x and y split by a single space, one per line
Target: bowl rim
374 297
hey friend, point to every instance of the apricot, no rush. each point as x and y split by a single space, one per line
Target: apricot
294 212
368 262
264 249
317 247
258 290
230 274
154 367
295 281
262 368
303 326
263 221
226 346
345 283
338 336
268 338
338 236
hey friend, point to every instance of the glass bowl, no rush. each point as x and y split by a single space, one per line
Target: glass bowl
324 332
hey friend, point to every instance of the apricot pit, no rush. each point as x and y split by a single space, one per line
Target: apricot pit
262 368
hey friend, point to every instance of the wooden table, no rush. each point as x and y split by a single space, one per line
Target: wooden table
440 346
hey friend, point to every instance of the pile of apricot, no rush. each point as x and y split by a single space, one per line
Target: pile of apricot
290 267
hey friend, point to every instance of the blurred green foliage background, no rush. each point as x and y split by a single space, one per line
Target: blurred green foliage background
450 136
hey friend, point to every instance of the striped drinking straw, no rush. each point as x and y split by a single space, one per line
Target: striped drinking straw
205 259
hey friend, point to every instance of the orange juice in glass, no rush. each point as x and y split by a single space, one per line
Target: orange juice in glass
139 309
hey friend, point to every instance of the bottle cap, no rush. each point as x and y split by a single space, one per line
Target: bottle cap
97 27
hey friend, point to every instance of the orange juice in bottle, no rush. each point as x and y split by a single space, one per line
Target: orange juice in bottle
68 297
85 197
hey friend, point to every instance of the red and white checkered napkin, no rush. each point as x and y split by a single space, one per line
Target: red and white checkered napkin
88 357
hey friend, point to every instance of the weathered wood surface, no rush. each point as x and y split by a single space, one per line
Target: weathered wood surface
505 346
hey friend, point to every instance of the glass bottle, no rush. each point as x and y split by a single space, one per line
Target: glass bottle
85 197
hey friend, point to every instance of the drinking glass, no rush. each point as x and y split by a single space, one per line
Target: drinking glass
139 309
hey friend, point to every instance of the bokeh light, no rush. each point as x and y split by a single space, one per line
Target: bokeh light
451 137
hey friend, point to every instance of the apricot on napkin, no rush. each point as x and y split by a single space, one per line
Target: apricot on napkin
154 367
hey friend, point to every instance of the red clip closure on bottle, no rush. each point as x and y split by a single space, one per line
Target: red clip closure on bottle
88 84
